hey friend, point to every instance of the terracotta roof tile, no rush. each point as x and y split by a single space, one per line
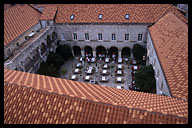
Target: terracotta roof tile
59 107
114 13
49 12
17 20
170 39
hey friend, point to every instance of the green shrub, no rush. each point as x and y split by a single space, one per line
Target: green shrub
63 71
138 51
55 59
64 51
145 80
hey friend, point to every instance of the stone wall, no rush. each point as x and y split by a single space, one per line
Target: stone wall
161 82
27 52
13 45
106 29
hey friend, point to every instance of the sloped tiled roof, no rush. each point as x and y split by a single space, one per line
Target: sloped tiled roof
114 13
33 98
49 12
170 39
17 20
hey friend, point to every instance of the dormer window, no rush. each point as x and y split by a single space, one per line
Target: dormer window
100 16
72 17
127 16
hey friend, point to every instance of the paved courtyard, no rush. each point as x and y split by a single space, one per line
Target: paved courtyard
70 66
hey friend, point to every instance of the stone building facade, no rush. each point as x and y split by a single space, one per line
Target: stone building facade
66 35
152 58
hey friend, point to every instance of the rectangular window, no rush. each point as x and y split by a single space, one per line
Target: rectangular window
99 36
139 37
86 36
74 36
126 36
113 36
100 16
48 24
62 36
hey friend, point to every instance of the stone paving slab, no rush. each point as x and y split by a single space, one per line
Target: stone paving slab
69 65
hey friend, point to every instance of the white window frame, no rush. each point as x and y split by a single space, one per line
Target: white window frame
87 36
100 36
62 36
139 38
72 17
126 36
127 16
100 16
113 36
75 39
48 23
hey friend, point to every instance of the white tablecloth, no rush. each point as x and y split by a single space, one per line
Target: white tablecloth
76 70
73 77
118 78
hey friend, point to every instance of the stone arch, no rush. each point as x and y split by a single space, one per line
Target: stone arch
28 63
113 50
101 50
43 48
35 55
54 36
76 50
88 51
126 52
49 42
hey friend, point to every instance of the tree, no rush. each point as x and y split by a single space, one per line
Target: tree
145 80
48 70
138 51
64 51
55 59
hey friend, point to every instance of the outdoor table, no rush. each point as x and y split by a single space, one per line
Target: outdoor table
87 77
119 79
89 70
106 60
120 60
81 59
135 67
104 79
119 66
76 70
93 60
78 65
119 72
119 87
105 66
134 62
73 77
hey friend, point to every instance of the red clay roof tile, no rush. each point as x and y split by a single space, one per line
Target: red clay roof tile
17 20
39 102
170 39
114 13
49 12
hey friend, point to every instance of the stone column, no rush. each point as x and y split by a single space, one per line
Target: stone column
94 53
119 54
82 53
132 55
72 52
